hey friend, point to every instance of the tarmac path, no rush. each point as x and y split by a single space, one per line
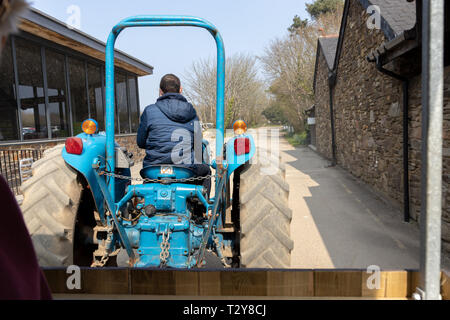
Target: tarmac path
340 223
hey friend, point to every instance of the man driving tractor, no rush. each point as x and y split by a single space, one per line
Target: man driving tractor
169 223
170 131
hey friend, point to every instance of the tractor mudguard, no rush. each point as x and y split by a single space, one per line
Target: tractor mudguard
94 147
233 160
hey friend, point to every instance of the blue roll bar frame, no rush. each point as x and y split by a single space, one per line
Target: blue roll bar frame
160 21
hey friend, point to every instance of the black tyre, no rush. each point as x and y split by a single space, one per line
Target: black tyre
264 216
50 205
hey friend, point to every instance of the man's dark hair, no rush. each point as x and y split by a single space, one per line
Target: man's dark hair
170 83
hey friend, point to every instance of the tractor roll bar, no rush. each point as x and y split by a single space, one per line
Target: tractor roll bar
160 21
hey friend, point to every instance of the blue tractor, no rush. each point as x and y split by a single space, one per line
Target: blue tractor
81 207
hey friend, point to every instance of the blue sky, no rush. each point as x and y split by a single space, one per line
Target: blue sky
247 26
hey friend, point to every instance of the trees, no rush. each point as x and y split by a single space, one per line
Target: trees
325 14
245 97
320 7
289 66
275 114
297 24
289 61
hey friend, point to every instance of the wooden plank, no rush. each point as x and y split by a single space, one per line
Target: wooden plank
152 282
286 283
414 278
105 281
92 281
337 283
186 283
57 281
55 37
290 283
367 285
397 284
209 283
445 285
243 283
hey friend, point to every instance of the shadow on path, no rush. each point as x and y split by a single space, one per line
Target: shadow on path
355 227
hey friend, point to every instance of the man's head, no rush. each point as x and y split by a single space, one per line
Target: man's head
170 83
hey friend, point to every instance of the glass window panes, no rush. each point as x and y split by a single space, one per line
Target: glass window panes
57 97
134 106
122 102
96 94
31 90
46 113
9 129
78 93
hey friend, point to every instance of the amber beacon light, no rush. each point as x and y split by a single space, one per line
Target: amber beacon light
89 126
239 127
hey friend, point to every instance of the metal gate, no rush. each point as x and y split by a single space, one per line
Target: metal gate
15 166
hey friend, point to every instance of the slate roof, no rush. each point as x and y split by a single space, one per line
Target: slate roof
329 45
397 15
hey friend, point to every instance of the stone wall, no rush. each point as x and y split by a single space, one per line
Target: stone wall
368 119
368 111
415 134
446 164
130 143
322 103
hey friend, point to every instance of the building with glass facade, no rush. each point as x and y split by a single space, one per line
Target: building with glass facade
52 78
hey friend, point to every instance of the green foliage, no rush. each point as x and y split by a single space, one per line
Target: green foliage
319 7
275 115
77 128
289 62
297 139
297 23
229 114
315 10
283 102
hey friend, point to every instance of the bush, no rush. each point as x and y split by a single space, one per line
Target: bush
298 139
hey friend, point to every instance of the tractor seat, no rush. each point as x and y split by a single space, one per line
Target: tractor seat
166 172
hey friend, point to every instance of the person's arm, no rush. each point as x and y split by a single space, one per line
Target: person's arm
142 131
21 278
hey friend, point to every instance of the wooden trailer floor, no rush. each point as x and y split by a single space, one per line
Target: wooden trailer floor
114 283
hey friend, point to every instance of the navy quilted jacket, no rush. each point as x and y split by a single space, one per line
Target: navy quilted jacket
166 132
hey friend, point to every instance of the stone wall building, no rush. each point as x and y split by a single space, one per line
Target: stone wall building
371 70
326 51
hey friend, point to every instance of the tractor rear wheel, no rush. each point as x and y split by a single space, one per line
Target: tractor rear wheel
264 215
51 200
